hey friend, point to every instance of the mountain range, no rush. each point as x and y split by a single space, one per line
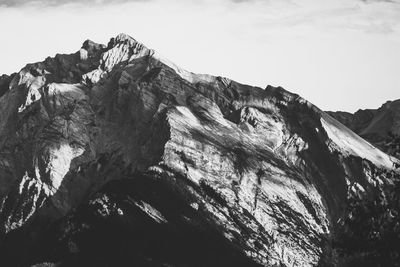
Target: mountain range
115 156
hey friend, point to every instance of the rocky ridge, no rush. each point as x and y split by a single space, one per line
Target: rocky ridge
114 156
380 126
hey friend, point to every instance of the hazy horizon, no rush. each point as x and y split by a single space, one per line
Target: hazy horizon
340 55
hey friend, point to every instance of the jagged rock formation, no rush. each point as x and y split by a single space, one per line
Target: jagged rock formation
381 127
114 156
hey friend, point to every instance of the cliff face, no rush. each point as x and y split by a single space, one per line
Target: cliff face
113 156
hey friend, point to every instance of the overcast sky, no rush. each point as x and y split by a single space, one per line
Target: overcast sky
339 54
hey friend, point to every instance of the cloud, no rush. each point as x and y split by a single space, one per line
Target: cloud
14 3
18 3
369 16
387 1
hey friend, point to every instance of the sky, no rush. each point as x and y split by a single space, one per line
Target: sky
338 54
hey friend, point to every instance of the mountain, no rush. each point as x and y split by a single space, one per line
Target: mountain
381 127
114 156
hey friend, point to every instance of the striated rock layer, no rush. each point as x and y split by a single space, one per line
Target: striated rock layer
114 156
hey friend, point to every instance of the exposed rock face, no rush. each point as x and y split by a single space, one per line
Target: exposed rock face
5 83
381 127
114 156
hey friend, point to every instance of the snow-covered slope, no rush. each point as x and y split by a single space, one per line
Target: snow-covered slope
380 126
352 144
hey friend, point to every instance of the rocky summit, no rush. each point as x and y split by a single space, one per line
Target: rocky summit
114 156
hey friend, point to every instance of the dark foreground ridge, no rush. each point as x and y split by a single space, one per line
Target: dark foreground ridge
114 156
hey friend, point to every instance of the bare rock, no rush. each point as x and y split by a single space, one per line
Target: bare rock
116 156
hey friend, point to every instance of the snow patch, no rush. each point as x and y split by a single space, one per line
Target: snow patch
184 74
151 211
351 144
